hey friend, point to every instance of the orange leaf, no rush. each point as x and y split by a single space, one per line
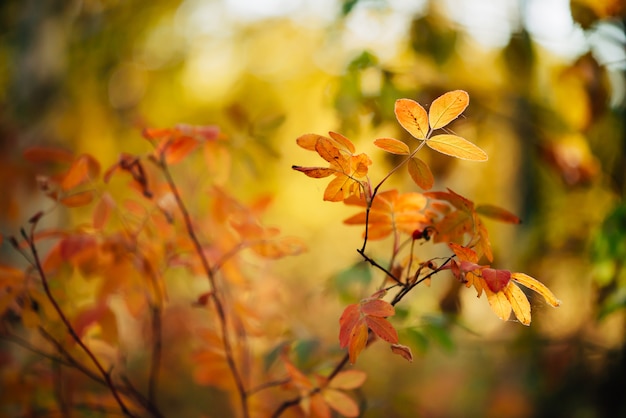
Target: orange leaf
519 303
102 211
412 117
341 402
537 286
318 406
82 170
447 107
377 307
308 141
458 147
392 145
403 351
498 213
78 199
358 339
342 140
338 189
347 322
348 379
496 279
315 172
382 328
420 173
177 149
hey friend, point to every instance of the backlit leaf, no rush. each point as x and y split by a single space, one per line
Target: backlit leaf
519 303
447 107
498 213
102 211
179 148
348 379
341 402
317 405
327 150
412 117
78 199
420 173
382 328
392 145
358 339
537 286
343 141
499 304
315 172
308 141
347 322
377 307
82 170
496 279
458 147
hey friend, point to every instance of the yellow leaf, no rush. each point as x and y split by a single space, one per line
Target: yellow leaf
420 173
537 286
447 107
499 303
412 117
458 147
308 141
519 303
392 145
341 402
337 189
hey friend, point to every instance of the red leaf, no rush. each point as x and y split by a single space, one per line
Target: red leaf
496 279
382 328
358 339
377 307
347 322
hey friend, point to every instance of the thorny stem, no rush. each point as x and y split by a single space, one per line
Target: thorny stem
219 306
30 239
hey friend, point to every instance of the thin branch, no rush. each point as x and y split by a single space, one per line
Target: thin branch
268 385
378 266
44 281
219 307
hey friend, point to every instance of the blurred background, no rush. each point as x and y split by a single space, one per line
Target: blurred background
548 99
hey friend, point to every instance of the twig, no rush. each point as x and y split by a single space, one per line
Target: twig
219 307
30 239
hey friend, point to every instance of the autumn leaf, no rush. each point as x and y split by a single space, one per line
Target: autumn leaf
455 146
350 170
412 117
497 213
357 319
392 145
447 107
391 211
420 173
403 351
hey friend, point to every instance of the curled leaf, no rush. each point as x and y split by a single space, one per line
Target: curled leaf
315 172
403 351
